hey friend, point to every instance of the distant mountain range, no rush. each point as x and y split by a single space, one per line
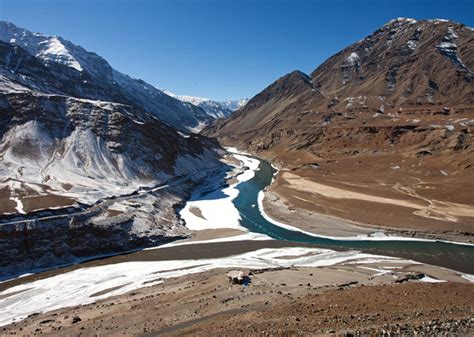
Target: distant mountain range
213 108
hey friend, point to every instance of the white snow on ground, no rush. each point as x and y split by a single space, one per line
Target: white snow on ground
183 134
401 20
379 271
438 20
19 205
77 287
412 44
428 279
468 277
353 59
236 151
217 211
251 163
447 45
217 207
448 48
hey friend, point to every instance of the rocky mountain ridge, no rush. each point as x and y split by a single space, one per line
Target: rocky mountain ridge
89 159
85 74
404 70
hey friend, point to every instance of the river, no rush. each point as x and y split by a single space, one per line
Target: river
450 255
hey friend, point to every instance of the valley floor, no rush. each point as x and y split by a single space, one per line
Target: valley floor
338 204
345 297
294 288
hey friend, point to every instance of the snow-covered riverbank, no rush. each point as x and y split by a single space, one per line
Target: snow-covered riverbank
216 210
87 285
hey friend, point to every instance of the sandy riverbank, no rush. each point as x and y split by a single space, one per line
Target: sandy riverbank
349 210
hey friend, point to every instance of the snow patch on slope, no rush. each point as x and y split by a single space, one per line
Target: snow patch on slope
82 159
448 48
55 51
353 59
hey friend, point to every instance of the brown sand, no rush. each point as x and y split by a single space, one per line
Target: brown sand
211 234
278 208
324 206
34 203
443 210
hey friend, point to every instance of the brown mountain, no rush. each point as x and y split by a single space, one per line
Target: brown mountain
389 116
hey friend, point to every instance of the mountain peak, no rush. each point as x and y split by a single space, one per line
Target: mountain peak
77 72
50 48
406 65
298 74
401 21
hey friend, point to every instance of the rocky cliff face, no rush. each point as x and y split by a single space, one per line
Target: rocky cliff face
89 162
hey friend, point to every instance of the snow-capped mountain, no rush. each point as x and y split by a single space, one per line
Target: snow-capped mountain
235 104
214 109
88 75
82 147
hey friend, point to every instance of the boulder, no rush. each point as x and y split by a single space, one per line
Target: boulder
236 277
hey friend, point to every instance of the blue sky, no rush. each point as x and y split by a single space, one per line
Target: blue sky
218 49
